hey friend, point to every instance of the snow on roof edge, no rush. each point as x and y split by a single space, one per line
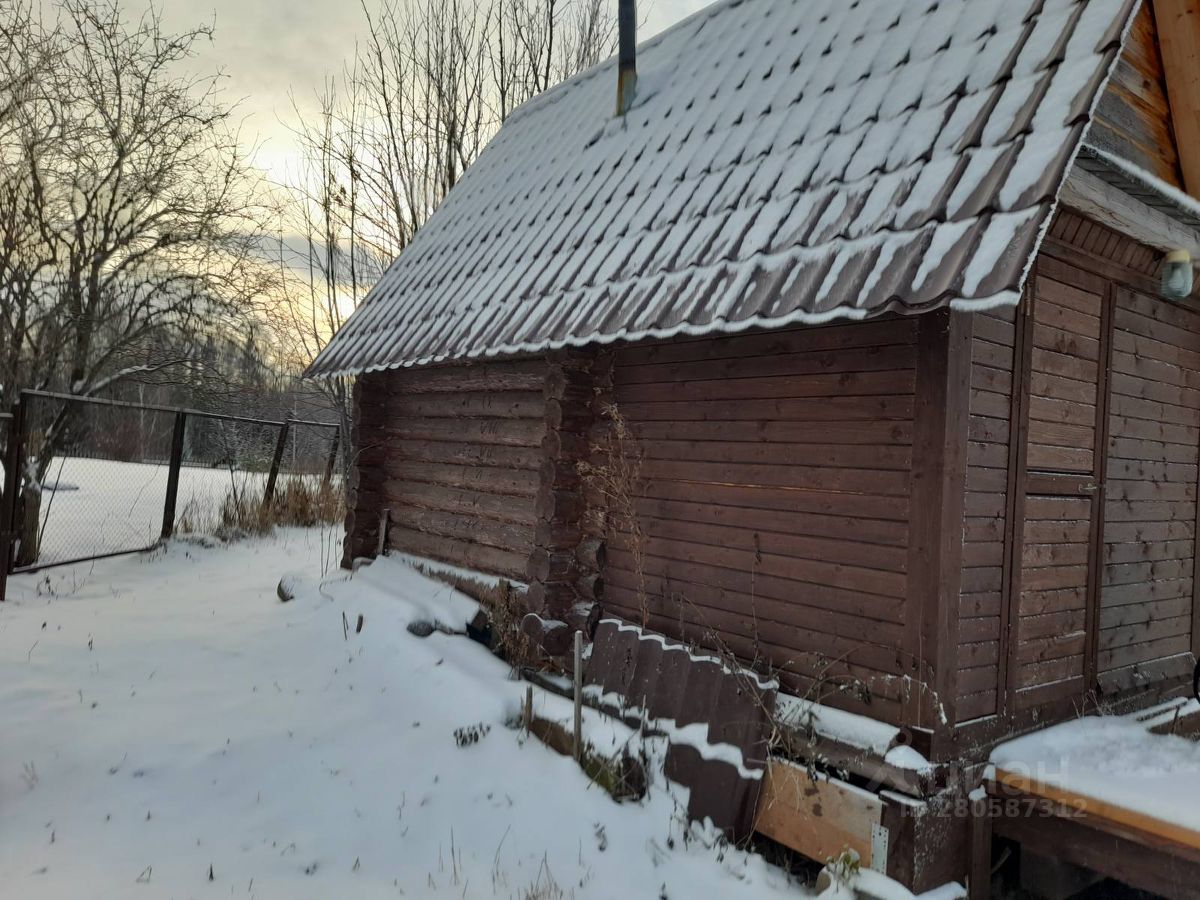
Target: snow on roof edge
687 329
1171 194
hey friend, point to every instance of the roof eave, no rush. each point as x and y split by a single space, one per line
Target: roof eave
1131 202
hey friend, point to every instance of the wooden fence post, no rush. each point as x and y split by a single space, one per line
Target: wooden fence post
276 461
578 673
385 516
8 500
26 515
332 461
176 460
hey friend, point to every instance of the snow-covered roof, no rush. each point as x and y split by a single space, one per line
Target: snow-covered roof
784 161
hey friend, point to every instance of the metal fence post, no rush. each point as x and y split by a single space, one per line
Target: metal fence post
276 460
332 461
177 436
8 501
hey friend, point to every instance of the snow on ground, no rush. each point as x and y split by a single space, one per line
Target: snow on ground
852 729
166 713
1114 759
96 506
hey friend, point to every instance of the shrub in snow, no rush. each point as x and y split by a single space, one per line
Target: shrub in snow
287 587
420 628
471 734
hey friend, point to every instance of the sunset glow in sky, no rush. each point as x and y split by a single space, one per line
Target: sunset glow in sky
275 50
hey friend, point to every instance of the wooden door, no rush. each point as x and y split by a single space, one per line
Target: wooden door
1053 619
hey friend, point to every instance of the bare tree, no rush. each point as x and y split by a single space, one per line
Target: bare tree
542 42
129 194
415 106
26 52
29 126
130 221
165 219
329 246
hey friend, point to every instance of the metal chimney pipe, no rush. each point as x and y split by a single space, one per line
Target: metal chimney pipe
626 54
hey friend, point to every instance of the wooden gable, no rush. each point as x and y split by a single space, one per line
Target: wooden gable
1133 118
1150 112
1178 24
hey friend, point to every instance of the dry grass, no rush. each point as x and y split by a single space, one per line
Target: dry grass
298 501
544 887
615 471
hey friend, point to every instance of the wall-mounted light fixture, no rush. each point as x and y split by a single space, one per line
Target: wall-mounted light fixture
1177 275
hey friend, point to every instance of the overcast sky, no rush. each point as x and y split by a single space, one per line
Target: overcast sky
270 47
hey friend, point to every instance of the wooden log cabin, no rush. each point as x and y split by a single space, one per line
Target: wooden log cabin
842 345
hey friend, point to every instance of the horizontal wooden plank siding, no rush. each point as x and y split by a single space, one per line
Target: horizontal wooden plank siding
1051 636
1048 649
984 522
1147 586
773 500
1096 589
1133 118
1063 381
456 459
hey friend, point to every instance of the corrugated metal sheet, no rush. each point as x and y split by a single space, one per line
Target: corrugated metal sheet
784 161
721 761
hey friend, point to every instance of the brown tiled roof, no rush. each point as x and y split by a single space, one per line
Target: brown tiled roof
784 161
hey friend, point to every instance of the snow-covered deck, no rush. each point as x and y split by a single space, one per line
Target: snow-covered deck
1105 793
1114 766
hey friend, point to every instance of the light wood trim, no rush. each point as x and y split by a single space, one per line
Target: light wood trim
1098 200
1099 809
819 819
1178 25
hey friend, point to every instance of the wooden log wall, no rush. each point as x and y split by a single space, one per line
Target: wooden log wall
564 569
774 501
455 454
1133 118
363 503
985 513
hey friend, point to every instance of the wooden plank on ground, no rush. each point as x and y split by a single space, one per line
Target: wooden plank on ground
817 818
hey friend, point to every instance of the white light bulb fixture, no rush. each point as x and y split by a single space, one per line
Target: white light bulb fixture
1177 275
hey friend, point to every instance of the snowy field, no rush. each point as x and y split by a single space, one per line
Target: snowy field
165 714
97 506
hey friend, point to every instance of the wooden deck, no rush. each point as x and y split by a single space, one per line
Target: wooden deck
1134 848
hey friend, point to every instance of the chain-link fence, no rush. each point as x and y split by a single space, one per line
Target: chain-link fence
230 466
101 477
